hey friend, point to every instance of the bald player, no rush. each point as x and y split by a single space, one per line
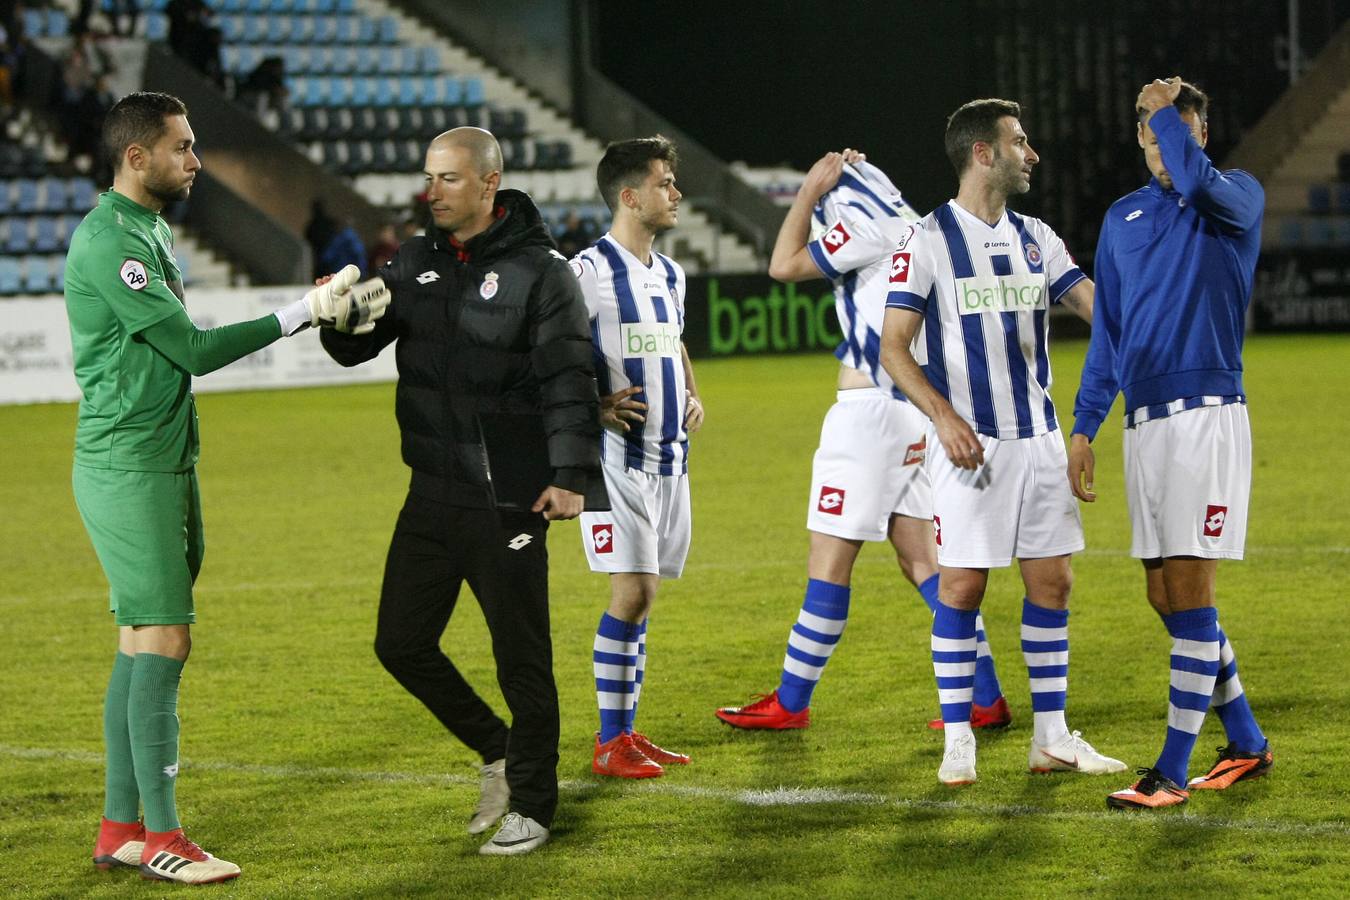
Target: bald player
497 407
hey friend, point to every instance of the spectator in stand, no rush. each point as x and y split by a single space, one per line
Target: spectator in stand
384 248
319 233
575 237
88 113
265 87
345 248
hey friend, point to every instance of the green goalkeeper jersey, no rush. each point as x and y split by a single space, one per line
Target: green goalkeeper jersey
137 411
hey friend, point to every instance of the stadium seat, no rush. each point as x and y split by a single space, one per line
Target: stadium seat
365 30
14 232
1319 199
81 195
156 27
1342 197
11 275
25 195
387 30
47 237
430 61
37 277
474 94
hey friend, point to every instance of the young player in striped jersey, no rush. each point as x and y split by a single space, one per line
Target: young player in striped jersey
650 406
978 280
1175 263
868 482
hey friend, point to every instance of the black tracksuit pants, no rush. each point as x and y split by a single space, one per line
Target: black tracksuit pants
436 548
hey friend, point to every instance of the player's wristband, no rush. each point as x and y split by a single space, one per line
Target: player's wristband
293 317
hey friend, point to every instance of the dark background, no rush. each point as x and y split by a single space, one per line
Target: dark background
783 82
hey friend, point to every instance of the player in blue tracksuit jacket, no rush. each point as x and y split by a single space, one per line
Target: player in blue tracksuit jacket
1174 267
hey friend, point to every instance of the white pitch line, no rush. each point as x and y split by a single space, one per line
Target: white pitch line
775 797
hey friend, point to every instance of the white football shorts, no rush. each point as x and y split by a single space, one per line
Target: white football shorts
868 467
1016 505
647 527
1188 482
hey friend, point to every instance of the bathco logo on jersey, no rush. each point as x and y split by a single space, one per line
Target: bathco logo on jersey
1000 293
650 339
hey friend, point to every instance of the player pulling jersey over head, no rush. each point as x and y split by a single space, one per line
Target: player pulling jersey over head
867 479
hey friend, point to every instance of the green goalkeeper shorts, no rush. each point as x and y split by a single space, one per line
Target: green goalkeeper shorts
146 528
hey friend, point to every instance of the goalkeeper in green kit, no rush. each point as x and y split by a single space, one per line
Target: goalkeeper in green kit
135 350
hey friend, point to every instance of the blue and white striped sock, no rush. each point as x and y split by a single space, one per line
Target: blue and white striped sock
1195 664
1045 647
987 688
812 639
637 675
615 662
953 645
1230 702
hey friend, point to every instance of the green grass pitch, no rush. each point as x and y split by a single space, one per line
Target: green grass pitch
306 764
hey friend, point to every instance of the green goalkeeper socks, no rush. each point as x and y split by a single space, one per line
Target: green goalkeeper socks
121 799
152 712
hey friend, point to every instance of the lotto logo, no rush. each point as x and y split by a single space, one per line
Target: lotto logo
899 268
937 529
914 453
427 277
1214 519
519 541
831 501
602 538
836 237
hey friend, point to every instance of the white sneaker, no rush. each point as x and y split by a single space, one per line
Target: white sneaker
179 859
517 835
494 795
958 762
1071 754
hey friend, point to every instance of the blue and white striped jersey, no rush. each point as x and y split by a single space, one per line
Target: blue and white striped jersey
984 292
858 222
637 319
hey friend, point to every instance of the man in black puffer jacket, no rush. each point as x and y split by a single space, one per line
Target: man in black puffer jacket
497 407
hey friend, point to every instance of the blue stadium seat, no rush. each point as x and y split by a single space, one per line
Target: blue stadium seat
34 23
367 60
409 92
387 30
1342 200
269 28
14 232
385 92
1318 232
11 275
231 28
156 26
47 235
324 7
302 29
58 23
37 277
388 64
68 225
25 195
344 29
346 6
81 195
363 92
452 91
1319 198
430 63
474 95
324 29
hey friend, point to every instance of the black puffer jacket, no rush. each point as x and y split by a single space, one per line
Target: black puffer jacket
492 336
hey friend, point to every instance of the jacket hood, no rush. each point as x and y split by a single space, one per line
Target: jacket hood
518 225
